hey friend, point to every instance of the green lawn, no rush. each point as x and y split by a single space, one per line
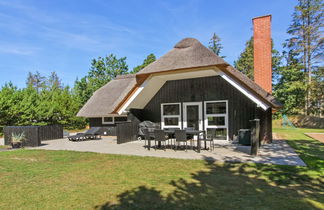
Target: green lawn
4 146
310 150
68 180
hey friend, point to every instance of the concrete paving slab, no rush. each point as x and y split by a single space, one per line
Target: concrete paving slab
279 152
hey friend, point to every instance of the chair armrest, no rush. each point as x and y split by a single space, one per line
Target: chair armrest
210 136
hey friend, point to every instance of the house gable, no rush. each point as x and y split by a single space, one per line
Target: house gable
240 108
156 81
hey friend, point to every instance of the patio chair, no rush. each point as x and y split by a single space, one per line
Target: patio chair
160 137
190 136
171 135
147 137
181 136
210 139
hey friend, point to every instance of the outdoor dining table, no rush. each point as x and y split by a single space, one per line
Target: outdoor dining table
188 132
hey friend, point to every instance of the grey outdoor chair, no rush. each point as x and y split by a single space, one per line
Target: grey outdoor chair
210 139
190 136
171 135
147 137
181 136
160 137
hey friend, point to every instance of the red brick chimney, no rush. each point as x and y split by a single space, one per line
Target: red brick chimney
262 52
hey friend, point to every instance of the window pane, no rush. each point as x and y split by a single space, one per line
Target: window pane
108 119
120 119
193 116
216 108
218 133
171 121
171 109
216 120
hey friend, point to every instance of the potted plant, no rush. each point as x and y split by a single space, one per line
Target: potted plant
17 140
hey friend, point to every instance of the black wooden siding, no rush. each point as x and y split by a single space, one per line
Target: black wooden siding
110 129
241 109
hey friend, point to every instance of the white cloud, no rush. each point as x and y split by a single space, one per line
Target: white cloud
17 50
87 32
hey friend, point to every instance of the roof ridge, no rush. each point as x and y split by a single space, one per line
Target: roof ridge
124 76
187 53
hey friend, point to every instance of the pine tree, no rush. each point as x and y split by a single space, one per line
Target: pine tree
105 69
317 92
215 45
290 87
307 41
244 63
9 109
54 81
81 90
28 106
102 71
36 81
149 59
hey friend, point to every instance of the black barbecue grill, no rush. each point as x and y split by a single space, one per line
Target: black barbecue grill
151 126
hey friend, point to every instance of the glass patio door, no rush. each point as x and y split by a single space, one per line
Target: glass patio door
192 115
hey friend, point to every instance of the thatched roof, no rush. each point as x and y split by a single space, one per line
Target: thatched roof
106 99
252 86
188 53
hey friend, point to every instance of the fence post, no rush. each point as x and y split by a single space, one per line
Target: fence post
255 136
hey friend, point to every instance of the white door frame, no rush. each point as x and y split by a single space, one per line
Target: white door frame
200 118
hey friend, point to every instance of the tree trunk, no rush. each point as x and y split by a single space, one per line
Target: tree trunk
305 67
309 59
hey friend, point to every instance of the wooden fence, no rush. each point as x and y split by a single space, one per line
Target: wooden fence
127 131
49 132
33 134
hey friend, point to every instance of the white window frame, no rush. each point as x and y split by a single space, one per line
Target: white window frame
108 123
113 119
216 115
173 116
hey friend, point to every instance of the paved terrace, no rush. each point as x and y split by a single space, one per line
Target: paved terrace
277 153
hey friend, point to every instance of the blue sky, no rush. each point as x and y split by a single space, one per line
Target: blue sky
64 36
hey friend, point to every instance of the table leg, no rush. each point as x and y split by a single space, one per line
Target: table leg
149 144
198 144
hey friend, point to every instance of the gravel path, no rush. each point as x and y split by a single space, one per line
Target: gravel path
279 152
